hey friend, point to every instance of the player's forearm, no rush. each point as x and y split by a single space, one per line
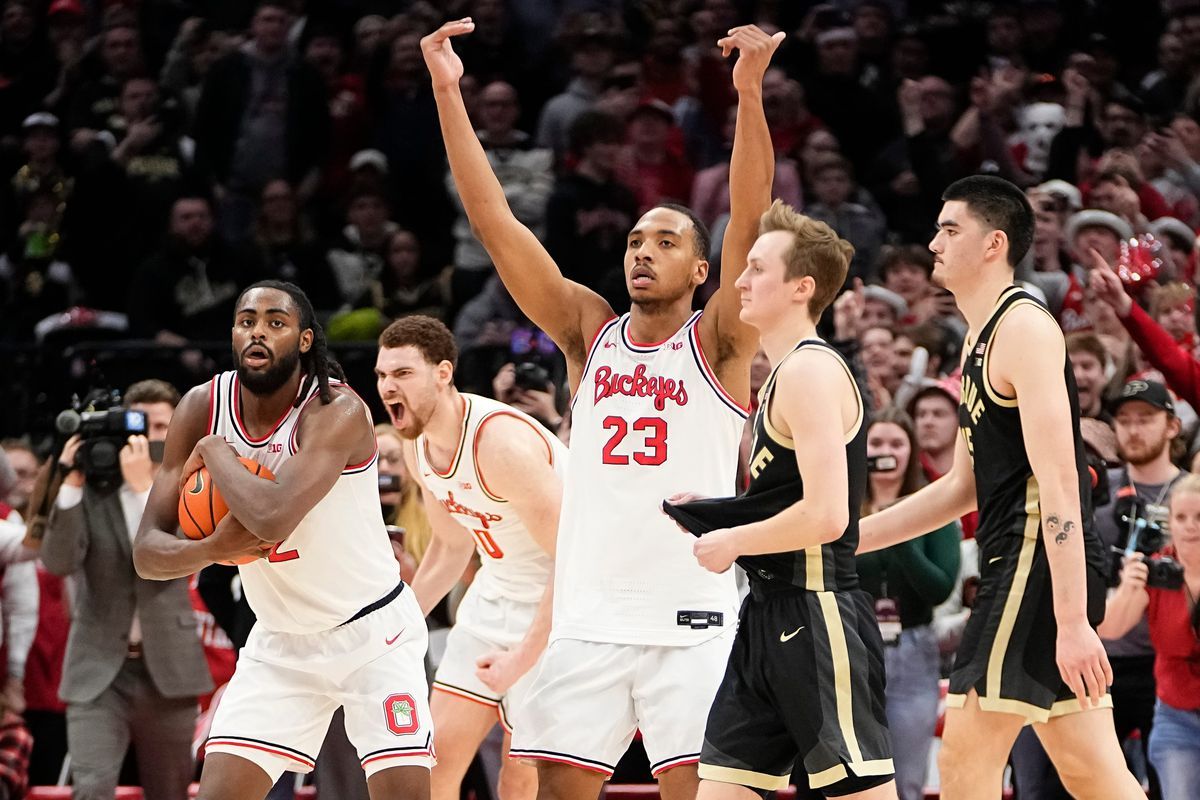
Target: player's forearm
254 502
159 556
752 163
481 193
938 504
538 635
1062 534
804 524
437 574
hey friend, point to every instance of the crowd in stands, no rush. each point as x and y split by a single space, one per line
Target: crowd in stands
158 157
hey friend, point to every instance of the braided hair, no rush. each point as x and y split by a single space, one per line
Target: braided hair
318 364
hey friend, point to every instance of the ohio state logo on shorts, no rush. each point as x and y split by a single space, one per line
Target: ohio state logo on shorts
400 711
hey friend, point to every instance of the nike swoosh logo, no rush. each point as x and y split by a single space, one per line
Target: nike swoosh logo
392 640
787 637
994 560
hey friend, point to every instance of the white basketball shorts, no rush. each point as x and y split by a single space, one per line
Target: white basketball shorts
277 707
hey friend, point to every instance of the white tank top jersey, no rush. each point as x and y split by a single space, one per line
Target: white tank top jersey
338 559
649 420
513 565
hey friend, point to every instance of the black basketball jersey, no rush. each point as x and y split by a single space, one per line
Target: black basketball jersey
1006 490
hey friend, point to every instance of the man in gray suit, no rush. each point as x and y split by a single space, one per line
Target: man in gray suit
134 664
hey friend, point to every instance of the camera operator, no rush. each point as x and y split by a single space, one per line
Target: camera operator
1146 424
527 386
134 664
1165 592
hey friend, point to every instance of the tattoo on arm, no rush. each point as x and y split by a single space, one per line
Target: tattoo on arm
1059 529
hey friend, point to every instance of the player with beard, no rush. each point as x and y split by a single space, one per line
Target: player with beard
641 632
336 626
492 482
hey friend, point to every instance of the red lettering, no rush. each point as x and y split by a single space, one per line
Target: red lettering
639 385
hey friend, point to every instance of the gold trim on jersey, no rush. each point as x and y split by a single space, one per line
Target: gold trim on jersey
744 777
814 568
1032 713
995 396
768 387
840 656
1015 595
861 769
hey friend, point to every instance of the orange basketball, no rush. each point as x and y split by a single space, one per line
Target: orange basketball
201 506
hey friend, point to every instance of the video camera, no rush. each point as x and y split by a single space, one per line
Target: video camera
1145 532
105 426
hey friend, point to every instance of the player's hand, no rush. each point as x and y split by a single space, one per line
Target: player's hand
1106 284
445 67
233 541
755 49
685 497
715 551
1082 662
500 669
1134 573
196 460
136 467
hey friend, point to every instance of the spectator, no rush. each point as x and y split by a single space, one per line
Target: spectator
1165 88
262 114
186 290
357 258
34 281
1146 425
710 190
101 75
27 68
652 166
850 211
907 270
1094 229
24 465
935 412
525 172
588 38
133 672
346 93
287 245
589 213
878 359
403 289
1089 361
1180 243
1174 746
42 173
196 48
402 506
906 582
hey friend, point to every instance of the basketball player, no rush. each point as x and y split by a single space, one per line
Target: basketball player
1030 653
805 678
336 626
641 632
492 482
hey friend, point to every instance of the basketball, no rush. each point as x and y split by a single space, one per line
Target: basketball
201 506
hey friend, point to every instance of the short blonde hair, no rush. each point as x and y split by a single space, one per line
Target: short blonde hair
1169 296
817 252
1188 484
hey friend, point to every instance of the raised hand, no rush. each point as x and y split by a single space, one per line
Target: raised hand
445 67
755 49
1107 286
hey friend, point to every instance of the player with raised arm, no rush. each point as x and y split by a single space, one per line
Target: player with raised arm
336 626
492 482
640 632
1030 653
805 679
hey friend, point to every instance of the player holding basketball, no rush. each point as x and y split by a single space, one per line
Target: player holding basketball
336 626
805 678
640 633
492 482
1030 653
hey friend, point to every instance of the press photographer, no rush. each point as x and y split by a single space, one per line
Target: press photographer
134 664
1134 519
1171 609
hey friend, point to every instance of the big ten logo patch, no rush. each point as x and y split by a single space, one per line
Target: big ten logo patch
275 447
400 712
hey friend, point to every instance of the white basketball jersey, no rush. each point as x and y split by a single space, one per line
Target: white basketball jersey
514 566
648 421
338 559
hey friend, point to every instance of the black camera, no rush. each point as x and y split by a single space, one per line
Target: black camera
881 463
1145 533
105 426
388 483
532 377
